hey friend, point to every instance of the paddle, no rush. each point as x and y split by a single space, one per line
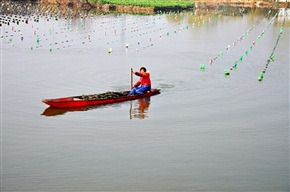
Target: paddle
131 78
130 110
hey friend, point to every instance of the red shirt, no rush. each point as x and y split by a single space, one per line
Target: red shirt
144 79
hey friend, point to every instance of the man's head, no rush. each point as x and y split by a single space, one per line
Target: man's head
143 69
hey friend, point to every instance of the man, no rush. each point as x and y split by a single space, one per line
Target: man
144 83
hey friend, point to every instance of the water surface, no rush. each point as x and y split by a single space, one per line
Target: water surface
204 132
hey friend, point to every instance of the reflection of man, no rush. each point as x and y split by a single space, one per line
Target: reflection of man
143 106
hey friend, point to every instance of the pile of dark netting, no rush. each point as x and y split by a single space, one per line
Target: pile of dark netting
107 95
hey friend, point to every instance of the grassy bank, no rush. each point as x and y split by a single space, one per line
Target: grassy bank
149 3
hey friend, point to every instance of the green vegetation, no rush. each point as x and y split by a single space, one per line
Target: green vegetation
94 1
150 3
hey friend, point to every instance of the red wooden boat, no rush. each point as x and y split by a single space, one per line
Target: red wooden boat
90 100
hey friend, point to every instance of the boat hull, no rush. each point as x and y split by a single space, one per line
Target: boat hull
69 102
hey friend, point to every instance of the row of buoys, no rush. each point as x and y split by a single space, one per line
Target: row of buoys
227 71
238 40
139 29
234 66
272 56
144 30
179 29
167 33
128 32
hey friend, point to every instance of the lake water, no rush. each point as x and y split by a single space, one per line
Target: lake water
204 132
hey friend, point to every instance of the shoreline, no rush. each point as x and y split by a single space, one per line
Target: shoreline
199 4
96 3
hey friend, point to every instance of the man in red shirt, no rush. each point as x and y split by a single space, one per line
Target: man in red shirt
144 83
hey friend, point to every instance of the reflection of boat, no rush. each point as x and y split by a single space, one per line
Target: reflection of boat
97 99
53 111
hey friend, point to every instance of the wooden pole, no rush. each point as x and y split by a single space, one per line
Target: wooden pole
131 78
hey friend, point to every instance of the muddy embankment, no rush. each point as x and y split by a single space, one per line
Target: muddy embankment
86 4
